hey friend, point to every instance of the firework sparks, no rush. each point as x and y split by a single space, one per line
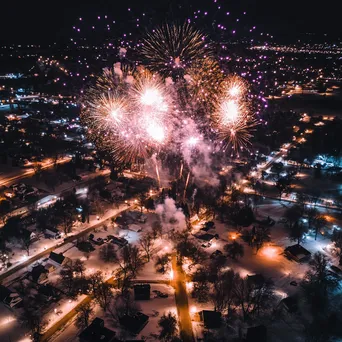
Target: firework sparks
233 119
171 47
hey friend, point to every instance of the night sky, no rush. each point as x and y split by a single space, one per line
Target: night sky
48 21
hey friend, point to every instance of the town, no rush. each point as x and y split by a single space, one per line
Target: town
163 236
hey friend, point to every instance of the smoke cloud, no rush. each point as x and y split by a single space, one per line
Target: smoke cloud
173 218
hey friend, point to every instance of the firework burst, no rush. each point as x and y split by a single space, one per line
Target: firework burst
233 119
204 79
174 47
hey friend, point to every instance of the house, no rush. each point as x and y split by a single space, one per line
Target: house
39 274
8 297
134 323
211 319
48 292
206 237
142 291
57 260
28 235
289 304
297 253
257 334
97 332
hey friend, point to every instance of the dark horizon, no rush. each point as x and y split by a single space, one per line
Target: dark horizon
39 23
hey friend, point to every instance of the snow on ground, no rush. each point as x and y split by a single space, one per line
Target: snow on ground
154 308
10 328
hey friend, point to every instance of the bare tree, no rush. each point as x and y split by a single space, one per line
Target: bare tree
103 294
234 250
108 253
157 229
33 320
26 243
84 312
318 281
319 223
122 305
162 263
147 243
78 267
131 259
169 326
251 297
223 290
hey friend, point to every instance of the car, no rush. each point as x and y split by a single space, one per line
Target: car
282 220
160 294
216 254
293 283
119 241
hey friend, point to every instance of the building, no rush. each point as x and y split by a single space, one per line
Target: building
142 291
58 260
297 253
39 274
28 235
134 323
97 332
211 319
8 297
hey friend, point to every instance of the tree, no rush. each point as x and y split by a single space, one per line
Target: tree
108 253
12 228
312 213
26 243
103 294
201 289
67 279
147 243
131 260
84 312
337 240
168 325
253 297
142 197
157 229
234 250
78 267
33 320
223 290
319 222
293 214
162 263
121 305
297 232
317 281
283 185
5 207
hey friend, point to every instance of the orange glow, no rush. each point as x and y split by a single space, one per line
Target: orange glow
269 252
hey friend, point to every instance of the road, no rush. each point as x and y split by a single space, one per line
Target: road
67 240
24 173
179 283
